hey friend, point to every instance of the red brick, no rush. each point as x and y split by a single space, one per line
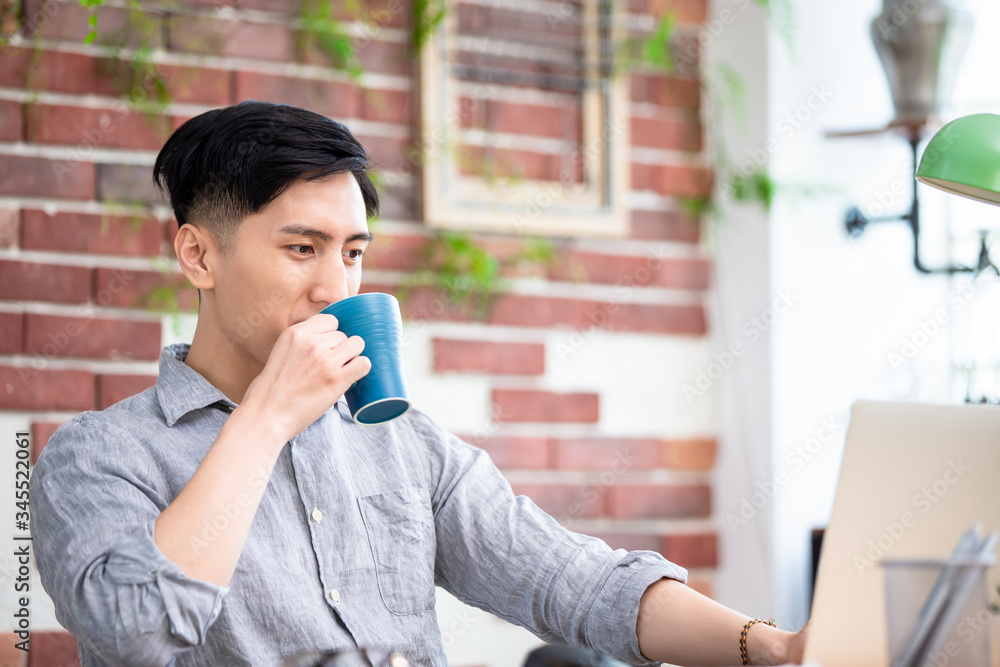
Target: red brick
666 91
170 230
514 452
566 501
395 252
399 202
528 310
630 542
11 330
474 356
31 281
529 119
142 289
91 338
84 232
209 36
651 270
40 434
523 310
70 22
10 655
695 550
49 70
651 501
53 647
10 227
701 584
331 98
35 387
691 454
387 106
687 11
532 405
10 121
112 388
131 183
381 13
89 128
383 57
503 162
425 304
666 134
682 181
14 66
666 226
642 176
201 85
40 177
214 3
385 152
617 455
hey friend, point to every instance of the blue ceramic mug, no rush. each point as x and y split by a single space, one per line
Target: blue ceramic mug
381 395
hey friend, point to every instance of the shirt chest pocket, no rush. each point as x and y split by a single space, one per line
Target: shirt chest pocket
401 534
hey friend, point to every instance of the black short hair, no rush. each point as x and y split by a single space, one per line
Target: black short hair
225 164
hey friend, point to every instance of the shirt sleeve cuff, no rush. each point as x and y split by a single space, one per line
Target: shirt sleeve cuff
619 602
191 604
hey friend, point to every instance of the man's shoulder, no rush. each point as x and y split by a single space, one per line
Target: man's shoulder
105 430
416 426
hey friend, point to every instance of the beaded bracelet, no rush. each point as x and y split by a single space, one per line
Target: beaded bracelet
743 637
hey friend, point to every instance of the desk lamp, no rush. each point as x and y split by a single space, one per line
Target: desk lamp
963 158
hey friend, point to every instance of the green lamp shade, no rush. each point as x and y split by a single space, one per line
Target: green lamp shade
964 158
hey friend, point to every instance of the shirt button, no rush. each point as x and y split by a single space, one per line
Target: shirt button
335 595
317 515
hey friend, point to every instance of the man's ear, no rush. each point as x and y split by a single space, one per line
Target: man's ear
197 254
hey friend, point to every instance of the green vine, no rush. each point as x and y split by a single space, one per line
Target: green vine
427 16
9 11
728 91
468 275
322 29
138 79
656 49
92 5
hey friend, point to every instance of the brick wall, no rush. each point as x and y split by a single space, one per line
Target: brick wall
85 247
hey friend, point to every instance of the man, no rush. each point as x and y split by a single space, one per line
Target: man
234 514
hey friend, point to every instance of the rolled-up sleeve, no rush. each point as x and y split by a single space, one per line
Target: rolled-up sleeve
95 496
503 554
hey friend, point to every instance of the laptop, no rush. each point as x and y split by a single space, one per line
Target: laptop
914 478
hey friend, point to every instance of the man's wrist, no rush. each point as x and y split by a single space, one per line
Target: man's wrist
767 645
270 433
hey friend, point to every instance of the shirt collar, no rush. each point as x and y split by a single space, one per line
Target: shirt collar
181 389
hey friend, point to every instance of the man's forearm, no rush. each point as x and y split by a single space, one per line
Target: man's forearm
681 626
205 528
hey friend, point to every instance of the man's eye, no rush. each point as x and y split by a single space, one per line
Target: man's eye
301 246
355 253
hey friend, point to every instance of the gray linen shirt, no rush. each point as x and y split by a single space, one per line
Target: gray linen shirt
402 507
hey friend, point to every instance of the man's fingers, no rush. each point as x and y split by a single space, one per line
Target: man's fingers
357 368
347 349
322 323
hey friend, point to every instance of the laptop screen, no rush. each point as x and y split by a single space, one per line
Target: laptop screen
914 477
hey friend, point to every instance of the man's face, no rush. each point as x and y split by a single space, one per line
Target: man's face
291 260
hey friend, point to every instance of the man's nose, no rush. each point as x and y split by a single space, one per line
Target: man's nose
330 282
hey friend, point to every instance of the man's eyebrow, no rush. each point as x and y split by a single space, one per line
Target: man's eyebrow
303 230
360 236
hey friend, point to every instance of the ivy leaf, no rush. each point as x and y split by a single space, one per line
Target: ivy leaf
656 48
